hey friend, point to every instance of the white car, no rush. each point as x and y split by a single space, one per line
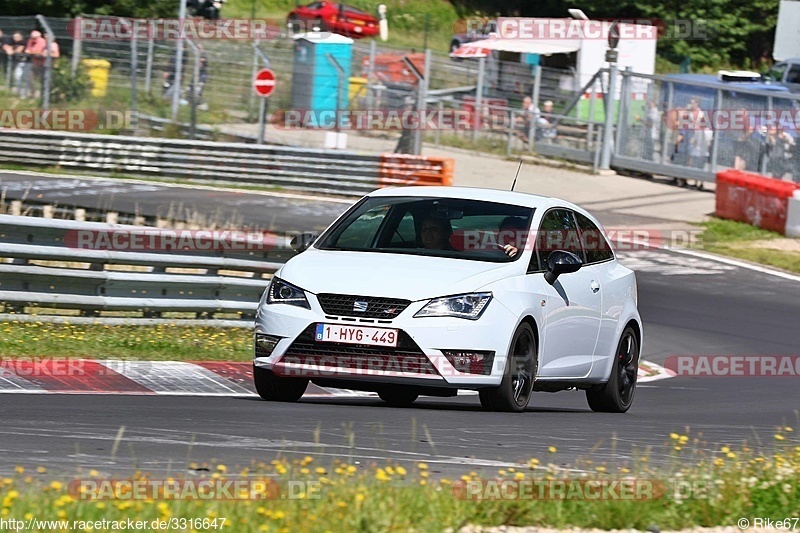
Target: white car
427 290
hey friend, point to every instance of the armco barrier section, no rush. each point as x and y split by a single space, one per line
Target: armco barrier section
754 199
325 171
51 268
401 169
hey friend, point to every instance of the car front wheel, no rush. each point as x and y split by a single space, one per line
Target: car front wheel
277 389
515 390
616 395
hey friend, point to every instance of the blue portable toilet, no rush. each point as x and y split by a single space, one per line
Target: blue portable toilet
316 82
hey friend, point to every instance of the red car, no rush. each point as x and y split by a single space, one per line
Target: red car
335 18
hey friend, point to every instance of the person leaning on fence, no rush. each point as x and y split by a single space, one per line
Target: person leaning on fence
652 130
747 145
36 48
780 149
545 127
700 136
16 51
5 42
523 122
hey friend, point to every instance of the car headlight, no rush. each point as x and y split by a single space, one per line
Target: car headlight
469 306
281 292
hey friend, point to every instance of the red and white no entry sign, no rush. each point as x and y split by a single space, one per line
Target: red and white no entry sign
264 82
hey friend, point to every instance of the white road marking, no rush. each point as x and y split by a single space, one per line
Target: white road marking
660 262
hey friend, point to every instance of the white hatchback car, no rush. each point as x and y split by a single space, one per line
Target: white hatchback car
427 290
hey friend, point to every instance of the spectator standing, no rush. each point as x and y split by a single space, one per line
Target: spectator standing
16 51
780 148
652 121
700 136
5 57
525 120
747 145
36 49
546 130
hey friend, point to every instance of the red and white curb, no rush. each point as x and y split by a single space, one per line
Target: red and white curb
170 378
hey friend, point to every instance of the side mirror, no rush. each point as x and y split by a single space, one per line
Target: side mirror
561 262
301 243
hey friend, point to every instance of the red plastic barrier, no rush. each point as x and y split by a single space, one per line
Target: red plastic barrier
754 199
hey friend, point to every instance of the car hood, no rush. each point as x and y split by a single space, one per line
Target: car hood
410 277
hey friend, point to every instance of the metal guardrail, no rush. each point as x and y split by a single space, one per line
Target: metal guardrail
49 268
324 171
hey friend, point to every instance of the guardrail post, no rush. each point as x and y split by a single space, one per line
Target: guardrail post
440 109
763 166
666 135
48 63
134 75
537 89
371 74
608 128
624 105
476 115
715 141
148 69
176 80
422 105
76 50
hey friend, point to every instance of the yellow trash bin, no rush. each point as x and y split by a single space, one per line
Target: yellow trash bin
98 73
357 89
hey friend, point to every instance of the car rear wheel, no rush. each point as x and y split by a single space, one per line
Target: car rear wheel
398 396
277 389
515 390
616 395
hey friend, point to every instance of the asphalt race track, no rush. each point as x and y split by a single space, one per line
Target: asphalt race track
690 306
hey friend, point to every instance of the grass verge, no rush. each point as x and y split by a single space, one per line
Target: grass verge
744 241
164 342
714 486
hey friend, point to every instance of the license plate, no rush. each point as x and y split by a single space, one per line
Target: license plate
359 22
356 335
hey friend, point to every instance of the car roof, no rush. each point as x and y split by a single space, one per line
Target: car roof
479 193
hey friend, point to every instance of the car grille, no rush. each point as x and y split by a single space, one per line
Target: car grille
406 358
345 305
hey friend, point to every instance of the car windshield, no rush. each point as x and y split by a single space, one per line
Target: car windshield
439 227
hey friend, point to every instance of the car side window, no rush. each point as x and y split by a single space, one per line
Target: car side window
558 231
794 74
405 234
776 72
594 242
361 233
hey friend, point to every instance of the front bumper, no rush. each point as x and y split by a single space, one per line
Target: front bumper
418 359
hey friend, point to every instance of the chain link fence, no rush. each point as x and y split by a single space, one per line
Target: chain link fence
655 115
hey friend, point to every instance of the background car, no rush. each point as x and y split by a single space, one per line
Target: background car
475 32
335 18
428 290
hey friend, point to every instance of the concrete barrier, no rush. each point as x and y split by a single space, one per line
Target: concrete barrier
755 199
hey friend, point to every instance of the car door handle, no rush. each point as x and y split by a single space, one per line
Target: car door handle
595 286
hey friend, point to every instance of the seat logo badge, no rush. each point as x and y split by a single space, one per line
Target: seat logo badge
360 307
